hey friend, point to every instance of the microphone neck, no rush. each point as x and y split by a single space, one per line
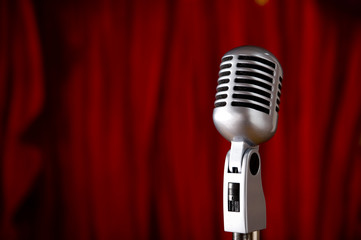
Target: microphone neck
238 149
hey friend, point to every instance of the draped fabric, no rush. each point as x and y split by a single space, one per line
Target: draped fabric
106 117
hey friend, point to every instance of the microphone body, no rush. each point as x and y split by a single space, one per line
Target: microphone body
246 114
248 95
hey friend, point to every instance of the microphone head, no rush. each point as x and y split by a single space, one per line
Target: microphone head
248 95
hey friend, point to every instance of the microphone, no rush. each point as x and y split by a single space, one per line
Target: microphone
246 113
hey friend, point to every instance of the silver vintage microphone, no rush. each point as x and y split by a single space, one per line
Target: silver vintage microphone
246 114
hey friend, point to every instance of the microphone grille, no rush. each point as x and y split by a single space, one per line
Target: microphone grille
249 77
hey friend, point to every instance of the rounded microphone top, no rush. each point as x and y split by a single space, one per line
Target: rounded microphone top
248 95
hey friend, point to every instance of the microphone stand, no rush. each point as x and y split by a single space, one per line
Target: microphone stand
244 207
247 236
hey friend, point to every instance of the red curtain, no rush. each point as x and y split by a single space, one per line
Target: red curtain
106 117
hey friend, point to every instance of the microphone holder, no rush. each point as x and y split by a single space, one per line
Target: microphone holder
244 207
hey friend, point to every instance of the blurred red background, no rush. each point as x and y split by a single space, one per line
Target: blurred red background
106 117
